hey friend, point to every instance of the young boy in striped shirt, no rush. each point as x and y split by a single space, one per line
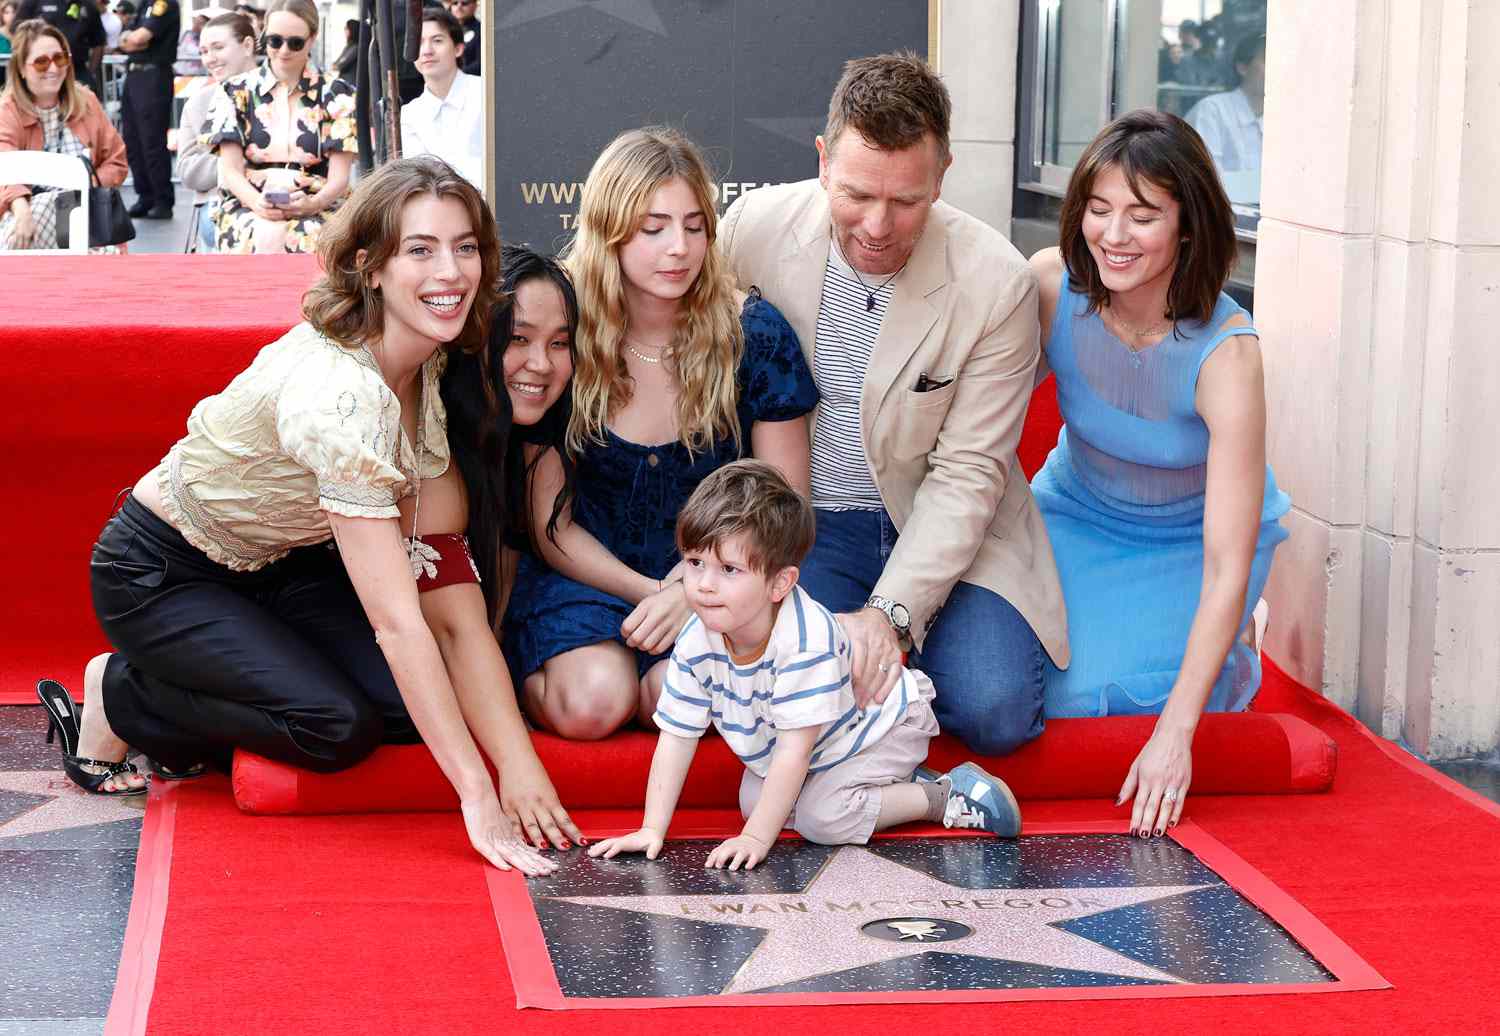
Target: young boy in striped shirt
769 667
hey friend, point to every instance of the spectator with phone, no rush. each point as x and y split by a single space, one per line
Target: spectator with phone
281 175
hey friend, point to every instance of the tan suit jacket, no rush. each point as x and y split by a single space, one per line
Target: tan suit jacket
944 460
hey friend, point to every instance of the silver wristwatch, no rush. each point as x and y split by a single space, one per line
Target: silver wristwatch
895 613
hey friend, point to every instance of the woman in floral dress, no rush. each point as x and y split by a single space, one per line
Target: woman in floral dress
285 140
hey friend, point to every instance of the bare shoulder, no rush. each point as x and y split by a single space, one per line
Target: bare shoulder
1048 266
1236 356
1231 382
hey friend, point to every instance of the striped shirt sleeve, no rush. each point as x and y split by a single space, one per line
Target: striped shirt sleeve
684 706
811 689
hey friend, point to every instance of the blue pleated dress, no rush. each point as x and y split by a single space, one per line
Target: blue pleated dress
1122 496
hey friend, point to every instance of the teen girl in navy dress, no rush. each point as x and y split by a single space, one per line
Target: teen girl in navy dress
675 376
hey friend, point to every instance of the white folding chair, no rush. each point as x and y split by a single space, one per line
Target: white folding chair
45 169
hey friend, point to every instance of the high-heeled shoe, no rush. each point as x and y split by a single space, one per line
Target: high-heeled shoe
64 722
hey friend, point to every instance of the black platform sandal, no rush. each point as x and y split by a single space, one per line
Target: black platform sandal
64 722
187 773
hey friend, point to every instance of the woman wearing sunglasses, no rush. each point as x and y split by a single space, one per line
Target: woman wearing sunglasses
286 142
44 108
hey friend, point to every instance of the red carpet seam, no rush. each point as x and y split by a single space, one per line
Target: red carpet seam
136 978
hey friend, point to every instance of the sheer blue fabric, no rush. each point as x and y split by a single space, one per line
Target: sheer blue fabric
1122 496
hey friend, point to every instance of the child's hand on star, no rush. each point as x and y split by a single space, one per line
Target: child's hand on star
732 852
645 840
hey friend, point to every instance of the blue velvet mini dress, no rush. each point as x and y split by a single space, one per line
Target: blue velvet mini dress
1122 495
628 496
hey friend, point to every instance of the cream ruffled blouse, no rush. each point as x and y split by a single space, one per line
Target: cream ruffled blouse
309 428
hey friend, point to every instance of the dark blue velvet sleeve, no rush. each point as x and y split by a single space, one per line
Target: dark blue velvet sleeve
775 382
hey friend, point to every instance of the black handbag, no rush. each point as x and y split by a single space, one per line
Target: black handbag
109 222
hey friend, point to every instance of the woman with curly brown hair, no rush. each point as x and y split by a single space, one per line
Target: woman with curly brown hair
675 376
257 585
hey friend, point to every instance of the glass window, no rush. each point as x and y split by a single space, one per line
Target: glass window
1086 61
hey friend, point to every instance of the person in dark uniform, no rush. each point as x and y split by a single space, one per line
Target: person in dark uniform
464 10
151 42
79 21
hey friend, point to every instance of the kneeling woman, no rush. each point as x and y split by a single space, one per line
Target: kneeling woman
237 623
1162 512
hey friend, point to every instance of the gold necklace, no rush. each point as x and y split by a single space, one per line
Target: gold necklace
1144 332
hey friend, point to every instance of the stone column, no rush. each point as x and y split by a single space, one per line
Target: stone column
1378 298
978 48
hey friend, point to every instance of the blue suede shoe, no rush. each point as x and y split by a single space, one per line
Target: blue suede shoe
980 801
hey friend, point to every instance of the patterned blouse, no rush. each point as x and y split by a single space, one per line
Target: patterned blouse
324 121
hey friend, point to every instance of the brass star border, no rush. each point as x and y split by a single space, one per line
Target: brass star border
783 918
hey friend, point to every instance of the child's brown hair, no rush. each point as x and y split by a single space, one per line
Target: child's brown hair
749 497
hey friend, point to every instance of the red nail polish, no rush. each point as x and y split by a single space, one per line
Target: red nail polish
565 845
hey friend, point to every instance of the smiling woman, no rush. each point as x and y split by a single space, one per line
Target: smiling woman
1158 486
43 108
237 623
285 140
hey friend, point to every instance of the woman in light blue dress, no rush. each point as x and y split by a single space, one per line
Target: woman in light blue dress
1162 512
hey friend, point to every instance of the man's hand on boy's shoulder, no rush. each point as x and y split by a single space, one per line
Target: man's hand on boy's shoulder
732 852
643 841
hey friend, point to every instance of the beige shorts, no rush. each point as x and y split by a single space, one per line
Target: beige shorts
839 806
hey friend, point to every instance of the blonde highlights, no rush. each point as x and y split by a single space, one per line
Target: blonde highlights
708 342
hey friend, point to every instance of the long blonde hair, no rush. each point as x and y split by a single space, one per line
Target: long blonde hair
707 343
72 98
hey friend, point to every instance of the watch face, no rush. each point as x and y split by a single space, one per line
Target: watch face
900 616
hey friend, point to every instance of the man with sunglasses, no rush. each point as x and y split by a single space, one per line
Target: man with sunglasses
151 43
464 11
79 21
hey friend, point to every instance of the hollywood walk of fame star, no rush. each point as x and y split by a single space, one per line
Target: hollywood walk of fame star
65 806
639 13
817 932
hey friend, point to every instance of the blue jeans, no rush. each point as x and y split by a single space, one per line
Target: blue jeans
981 655
207 230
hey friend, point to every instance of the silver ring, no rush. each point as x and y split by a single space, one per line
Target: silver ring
1170 794
884 667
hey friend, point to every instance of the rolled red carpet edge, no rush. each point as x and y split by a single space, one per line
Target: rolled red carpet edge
1233 753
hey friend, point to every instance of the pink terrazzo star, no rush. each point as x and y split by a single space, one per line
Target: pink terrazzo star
822 930
67 806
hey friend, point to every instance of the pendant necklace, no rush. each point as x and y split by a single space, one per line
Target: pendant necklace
870 292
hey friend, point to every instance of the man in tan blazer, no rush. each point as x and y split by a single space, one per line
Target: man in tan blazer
921 326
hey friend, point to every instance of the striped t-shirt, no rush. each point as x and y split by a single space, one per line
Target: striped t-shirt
802 680
841 477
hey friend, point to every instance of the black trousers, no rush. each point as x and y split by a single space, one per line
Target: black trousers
281 661
147 110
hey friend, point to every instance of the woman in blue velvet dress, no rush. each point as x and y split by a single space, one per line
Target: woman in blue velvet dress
674 377
1162 512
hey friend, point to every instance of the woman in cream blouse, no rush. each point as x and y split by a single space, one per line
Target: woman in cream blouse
257 583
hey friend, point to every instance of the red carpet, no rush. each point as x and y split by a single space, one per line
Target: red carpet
382 923
105 361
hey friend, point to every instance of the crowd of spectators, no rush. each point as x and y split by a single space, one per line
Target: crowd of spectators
260 184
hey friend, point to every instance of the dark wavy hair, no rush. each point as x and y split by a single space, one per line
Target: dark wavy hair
483 438
1164 150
